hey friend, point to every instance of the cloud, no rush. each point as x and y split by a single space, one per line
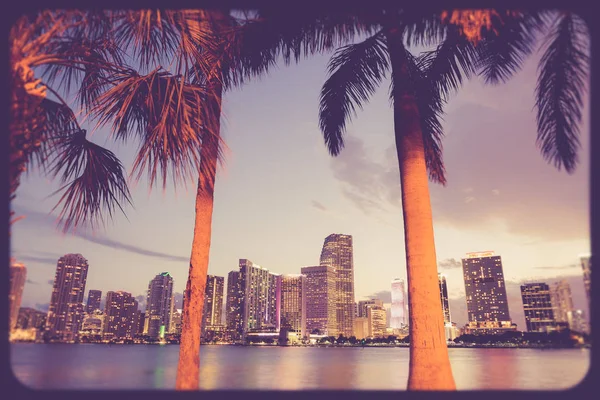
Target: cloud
31 282
559 267
318 205
470 199
450 263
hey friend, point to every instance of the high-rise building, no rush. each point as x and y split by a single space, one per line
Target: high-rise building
399 315
444 297
93 301
234 309
176 321
364 305
93 324
487 305
321 300
259 290
30 318
376 320
537 305
159 305
66 310
141 319
562 301
337 253
293 304
120 315
17 278
213 302
586 265
577 321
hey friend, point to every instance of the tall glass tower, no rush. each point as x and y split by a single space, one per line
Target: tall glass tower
337 253
399 317
66 310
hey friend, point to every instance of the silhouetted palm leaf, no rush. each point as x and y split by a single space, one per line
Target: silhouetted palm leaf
504 48
355 72
165 113
561 83
97 183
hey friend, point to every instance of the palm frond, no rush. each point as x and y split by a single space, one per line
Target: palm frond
503 48
563 72
423 28
165 113
452 61
355 72
95 182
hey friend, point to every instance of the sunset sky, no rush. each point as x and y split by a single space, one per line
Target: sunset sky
280 194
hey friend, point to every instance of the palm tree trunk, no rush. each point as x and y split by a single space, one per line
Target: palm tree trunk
188 368
429 366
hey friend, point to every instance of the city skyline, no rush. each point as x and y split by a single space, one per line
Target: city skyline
532 214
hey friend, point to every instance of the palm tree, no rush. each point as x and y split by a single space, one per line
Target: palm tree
420 87
175 115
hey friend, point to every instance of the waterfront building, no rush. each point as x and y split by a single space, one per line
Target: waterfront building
213 302
93 301
364 305
159 305
321 300
586 266
377 321
562 301
487 305
399 308
92 324
234 306
293 304
17 277
66 310
120 316
577 321
337 253
444 298
537 305
361 328
30 318
260 291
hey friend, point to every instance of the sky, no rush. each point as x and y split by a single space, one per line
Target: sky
279 194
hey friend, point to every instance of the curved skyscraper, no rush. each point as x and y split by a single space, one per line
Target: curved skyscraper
337 253
399 309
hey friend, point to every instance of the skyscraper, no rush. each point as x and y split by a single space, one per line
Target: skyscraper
234 305
65 313
213 302
562 301
537 306
487 306
337 253
444 297
586 265
259 290
158 305
377 321
293 304
93 301
399 309
17 278
120 320
321 300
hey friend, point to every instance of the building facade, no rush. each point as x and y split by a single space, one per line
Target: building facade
337 253
364 305
376 317
159 305
93 301
234 306
31 318
399 308
537 305
120 316
562 301
293 304
487 304
444 298
260 289
17 278
577 321
321 300
213 302
361 328
586 265
66 310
